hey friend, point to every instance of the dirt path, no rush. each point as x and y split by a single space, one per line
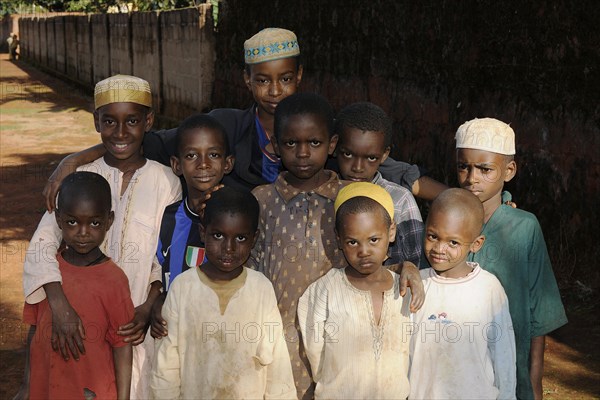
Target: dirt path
42 119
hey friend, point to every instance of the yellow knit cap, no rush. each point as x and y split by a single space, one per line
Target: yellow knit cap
270 44
486 134
122 89
365 189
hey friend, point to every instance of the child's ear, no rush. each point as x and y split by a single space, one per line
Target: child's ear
275 146
337 238
111 219
176 166
57 217
510 170
386 154
229 163
332 144
299 75
202 231
255 237
97 121
149 120
247 79
392 232
477 244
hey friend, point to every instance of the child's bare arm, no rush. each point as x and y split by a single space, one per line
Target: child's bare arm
427 189
68 165
536 369
410 277
67 329
137 328
158 326
23 393
122 358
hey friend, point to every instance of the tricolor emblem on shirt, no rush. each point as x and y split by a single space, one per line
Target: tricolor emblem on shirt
194 256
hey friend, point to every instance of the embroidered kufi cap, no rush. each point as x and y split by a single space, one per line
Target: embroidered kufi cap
365 189
122 89
487 134
270 44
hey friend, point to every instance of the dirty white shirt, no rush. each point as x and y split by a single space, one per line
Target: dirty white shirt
463 345
240 354
131 243
351 357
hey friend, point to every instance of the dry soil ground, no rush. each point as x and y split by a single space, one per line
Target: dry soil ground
43 119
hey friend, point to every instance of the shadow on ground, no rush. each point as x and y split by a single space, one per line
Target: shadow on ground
21 194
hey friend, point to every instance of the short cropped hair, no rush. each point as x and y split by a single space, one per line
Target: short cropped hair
359 205
303 104
365 116
83 185
199 121
461 201
229 200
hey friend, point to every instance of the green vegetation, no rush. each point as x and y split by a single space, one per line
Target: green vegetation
92 6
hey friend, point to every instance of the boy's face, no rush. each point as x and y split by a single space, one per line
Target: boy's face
483 173
228 240
359 154
202 159
304 146
364 239
84 224
449 237
272 81
122 127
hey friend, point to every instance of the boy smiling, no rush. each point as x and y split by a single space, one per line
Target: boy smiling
123 114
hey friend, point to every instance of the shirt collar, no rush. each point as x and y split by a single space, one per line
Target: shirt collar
329 189
378 178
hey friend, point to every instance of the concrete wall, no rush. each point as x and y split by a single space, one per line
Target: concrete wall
146 62
83 49
187 75
434 65
173 50
100 48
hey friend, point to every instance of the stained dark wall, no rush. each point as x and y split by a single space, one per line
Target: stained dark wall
434 65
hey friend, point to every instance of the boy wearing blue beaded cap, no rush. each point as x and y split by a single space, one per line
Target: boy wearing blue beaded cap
272 72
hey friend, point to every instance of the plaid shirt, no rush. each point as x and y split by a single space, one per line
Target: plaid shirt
409 225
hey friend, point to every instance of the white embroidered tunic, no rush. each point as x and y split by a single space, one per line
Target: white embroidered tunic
351 356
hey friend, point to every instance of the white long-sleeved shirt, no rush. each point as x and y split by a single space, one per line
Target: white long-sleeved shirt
351 356
463 345
238 354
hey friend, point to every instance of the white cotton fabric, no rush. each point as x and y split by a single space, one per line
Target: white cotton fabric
463 345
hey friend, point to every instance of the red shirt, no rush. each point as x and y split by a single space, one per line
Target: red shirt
100 295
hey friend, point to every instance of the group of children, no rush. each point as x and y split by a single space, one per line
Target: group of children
306 287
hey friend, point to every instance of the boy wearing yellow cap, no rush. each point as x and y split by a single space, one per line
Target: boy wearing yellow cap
515 250
123 114
355 320
273 71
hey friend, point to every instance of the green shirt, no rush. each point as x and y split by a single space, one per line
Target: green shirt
515 251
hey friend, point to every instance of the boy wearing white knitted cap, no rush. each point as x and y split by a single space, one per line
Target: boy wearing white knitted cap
141 189
515 250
